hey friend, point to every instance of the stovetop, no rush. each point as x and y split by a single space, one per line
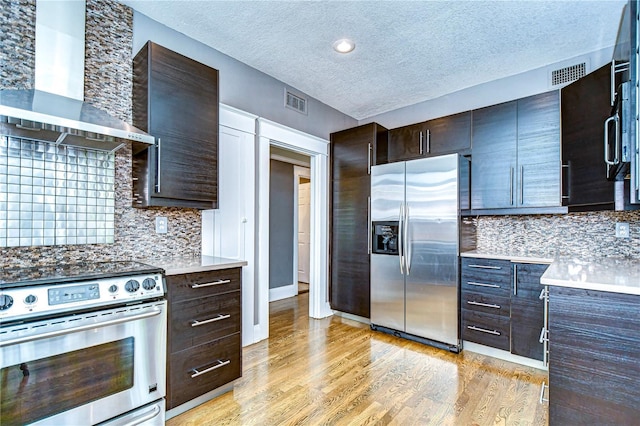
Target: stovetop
66 273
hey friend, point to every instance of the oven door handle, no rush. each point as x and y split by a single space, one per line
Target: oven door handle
57 333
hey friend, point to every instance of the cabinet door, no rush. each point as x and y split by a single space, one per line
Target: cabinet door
352 151
527 310
176 100
585 105
538 173
594 362
449 134
493 161
408 142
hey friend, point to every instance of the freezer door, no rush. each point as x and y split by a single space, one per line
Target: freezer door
432 248
387 280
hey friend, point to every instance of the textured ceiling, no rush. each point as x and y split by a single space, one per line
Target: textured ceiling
406 51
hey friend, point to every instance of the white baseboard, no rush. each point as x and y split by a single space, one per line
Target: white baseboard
352 317
283 292
503 355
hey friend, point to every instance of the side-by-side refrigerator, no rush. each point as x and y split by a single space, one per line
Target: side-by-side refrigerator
417 236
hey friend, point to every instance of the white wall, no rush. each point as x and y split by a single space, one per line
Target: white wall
241 86
493 92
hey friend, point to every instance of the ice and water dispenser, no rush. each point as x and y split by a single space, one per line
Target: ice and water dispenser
385 237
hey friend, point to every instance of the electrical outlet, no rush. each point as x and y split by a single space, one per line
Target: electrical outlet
622 230
161 225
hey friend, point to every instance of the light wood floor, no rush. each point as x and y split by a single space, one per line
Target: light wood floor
336 371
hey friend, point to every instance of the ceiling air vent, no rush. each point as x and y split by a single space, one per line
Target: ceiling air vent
568 74
295 102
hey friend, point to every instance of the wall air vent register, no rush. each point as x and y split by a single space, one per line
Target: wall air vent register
295 102
568 74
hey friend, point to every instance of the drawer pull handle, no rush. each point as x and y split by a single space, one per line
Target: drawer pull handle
220 363
483 284
486 305
484 267
484 330
542 398
210 284
220 317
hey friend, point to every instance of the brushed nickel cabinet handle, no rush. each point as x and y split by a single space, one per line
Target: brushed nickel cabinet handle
515 280
220 317
197 373
521 185
484 330
484 267
159 165
369 149
428 141
482 284
485 305
542 398
210 284
511 184
421 139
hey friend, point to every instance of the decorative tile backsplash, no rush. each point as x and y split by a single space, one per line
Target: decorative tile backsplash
54 195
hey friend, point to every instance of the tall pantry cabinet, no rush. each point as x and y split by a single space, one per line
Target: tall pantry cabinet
353 152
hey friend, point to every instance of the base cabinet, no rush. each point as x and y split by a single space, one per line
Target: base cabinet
204 333
594 361
501 305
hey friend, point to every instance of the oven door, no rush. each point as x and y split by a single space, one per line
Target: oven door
83 368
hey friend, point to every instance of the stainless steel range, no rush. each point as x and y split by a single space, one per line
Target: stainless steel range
83 344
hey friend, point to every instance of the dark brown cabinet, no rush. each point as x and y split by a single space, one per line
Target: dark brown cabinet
585 106
516 154
176 100
501 305
527 310
434 137
353 152
594 362
204 333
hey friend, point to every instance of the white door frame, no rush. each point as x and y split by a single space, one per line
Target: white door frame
269 133
298 172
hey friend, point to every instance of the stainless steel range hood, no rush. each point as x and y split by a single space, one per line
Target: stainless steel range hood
55 112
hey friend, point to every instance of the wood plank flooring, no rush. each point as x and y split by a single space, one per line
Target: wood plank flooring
336 371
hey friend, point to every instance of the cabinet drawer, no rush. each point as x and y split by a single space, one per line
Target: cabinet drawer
213 364
486 329
200 284
488 276
198 321
490 304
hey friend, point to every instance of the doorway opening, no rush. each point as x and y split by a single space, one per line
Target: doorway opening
289 222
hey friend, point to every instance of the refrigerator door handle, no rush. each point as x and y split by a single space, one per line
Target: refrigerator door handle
405 240
400 239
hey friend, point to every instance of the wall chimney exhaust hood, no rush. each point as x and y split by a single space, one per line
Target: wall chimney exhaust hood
55 112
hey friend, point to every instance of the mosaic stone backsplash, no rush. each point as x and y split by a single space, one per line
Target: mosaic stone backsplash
108 83
581 235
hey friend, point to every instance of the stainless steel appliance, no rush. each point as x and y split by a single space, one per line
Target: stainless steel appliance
83 344
414 288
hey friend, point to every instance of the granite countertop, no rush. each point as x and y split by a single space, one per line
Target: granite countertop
523 256
187 265
616 275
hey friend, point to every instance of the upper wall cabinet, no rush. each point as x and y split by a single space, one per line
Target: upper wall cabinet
516 154
176 100
585 107
435 137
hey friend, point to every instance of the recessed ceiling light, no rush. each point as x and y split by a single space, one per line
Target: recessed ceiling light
344 45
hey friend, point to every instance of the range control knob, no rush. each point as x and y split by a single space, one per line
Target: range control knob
113 288
149 284
132 286
6 302
30 299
